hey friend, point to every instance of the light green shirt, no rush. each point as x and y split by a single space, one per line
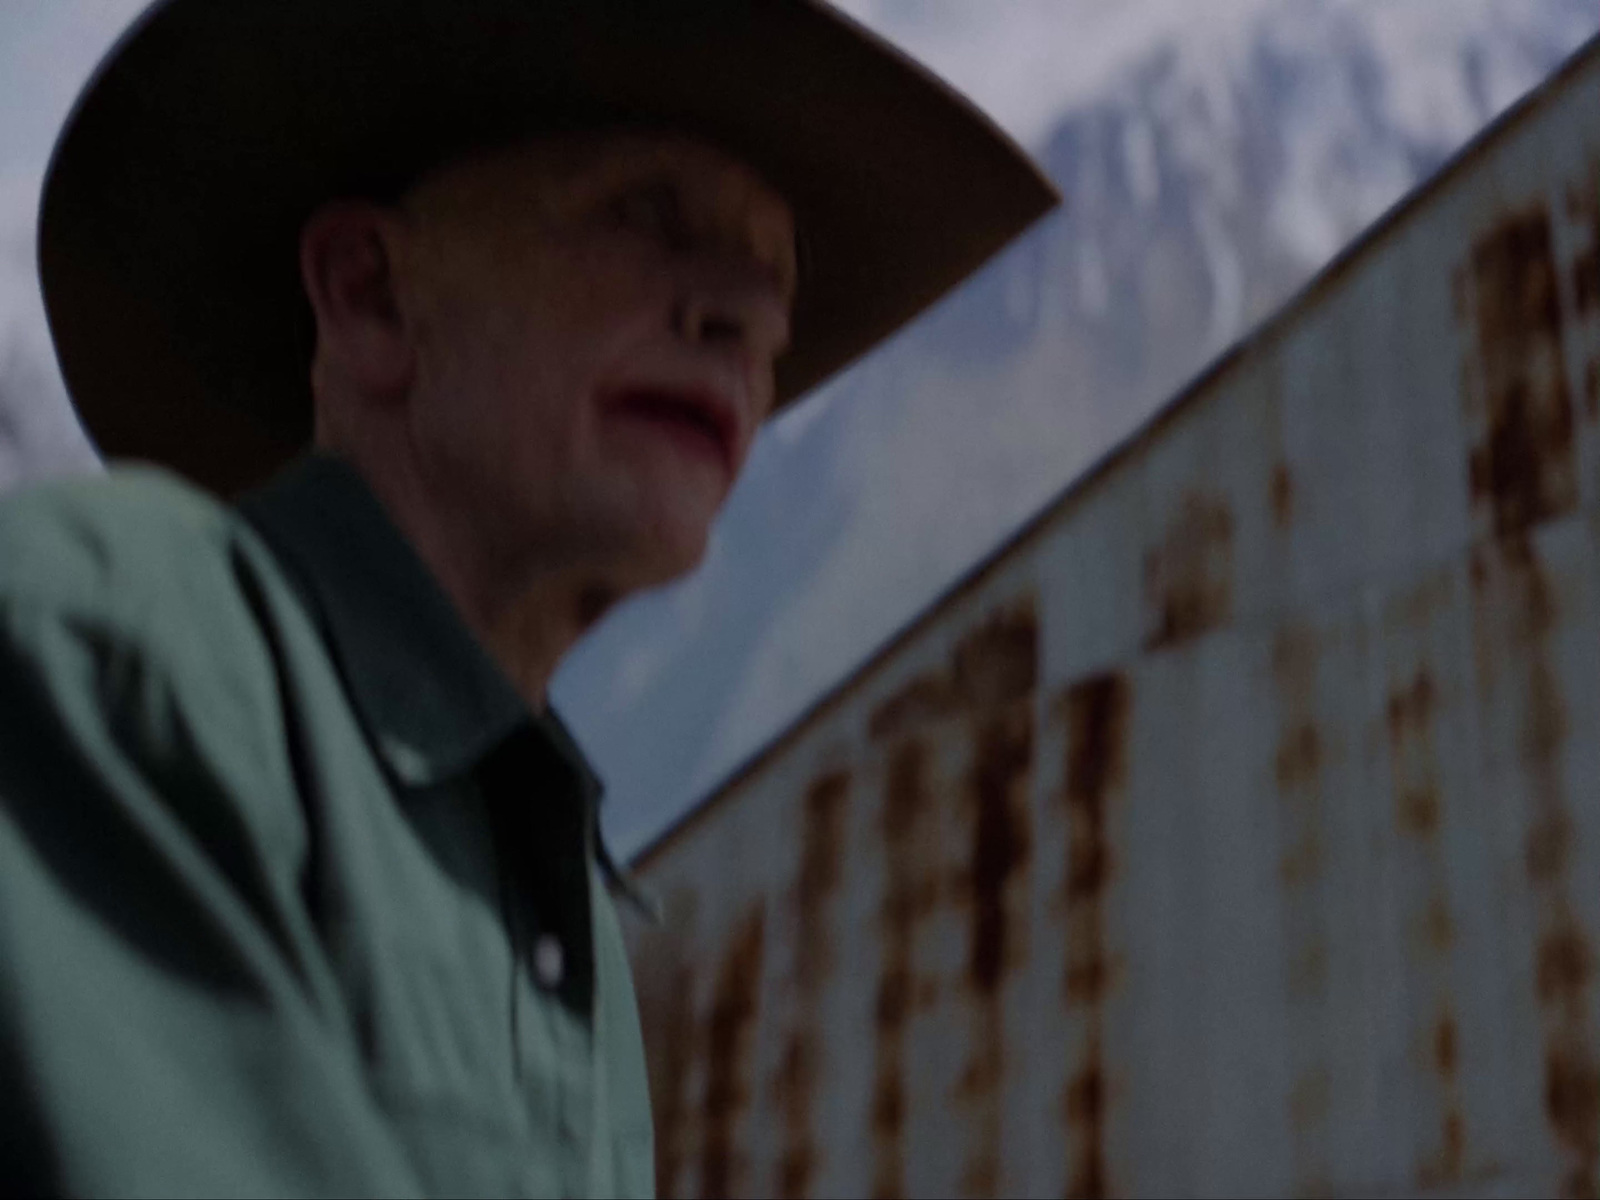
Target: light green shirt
296 895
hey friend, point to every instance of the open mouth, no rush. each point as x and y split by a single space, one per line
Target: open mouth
693 421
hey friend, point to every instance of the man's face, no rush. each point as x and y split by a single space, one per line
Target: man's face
595 320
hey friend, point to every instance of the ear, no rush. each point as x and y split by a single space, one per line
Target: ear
347 256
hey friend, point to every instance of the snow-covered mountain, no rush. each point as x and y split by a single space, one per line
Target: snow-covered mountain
1214 154
1206 182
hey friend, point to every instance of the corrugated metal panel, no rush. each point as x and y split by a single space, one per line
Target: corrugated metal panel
1236 831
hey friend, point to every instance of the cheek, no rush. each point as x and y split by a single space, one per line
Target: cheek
517 361
517 374
613 304
484 416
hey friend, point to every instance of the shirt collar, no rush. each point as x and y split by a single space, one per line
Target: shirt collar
431 700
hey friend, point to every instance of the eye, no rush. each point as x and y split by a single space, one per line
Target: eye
654 209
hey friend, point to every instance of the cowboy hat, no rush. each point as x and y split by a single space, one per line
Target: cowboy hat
171 212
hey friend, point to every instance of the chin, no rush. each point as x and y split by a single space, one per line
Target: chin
631 557
666 561
656 539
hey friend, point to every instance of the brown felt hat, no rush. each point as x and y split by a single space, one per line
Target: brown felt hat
170 220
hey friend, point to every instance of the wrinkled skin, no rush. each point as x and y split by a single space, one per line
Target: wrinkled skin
550 362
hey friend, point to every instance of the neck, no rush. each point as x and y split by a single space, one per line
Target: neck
526 611
529 630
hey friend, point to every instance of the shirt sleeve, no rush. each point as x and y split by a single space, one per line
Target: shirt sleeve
168 1021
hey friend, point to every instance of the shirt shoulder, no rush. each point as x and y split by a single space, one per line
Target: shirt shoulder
138 598
122 544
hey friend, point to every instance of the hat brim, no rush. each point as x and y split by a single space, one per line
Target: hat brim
172 209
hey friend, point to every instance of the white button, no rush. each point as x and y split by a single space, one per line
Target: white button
548 960
408 762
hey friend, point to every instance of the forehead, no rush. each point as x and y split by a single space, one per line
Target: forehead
565 176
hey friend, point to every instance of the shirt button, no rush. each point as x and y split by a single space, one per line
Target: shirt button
549 962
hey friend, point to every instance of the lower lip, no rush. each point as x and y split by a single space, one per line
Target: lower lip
681 432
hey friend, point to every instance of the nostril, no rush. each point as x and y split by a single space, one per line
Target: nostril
721 329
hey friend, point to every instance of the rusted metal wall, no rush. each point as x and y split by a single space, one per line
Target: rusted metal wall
1236 830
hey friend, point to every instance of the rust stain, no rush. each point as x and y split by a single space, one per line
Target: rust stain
1583 206
1523 469
1294 664
905 803
1547 847
1410 709
1300 759
995 663
1517 600
1572 1100
999 660
1418 802
1096 712
1420 603
1546 728
673 1050
1302 862
794 1087
1455 1143
1586 282
1438 929
1086 1112
1564 966
927 698
1410 714
820 854
1300 755
1445 1048
1418 811
821 850
1281 496
1449 1164
1188 578
734 1007
665 977
997 792
989 681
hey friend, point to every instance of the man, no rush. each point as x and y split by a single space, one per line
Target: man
471 310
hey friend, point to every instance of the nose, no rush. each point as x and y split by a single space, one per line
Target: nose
734 307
